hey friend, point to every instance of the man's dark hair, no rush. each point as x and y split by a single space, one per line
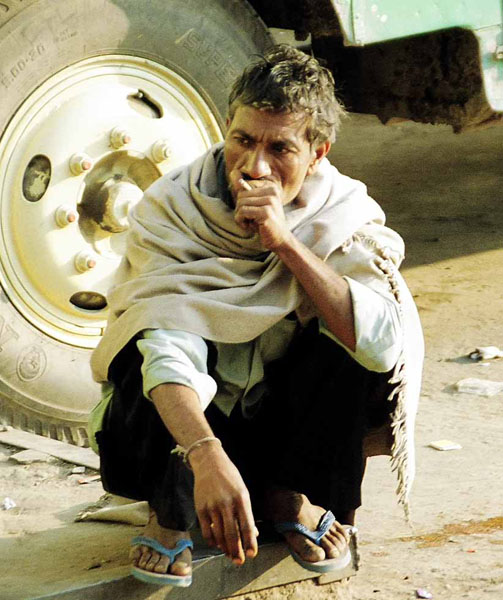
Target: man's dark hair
288 80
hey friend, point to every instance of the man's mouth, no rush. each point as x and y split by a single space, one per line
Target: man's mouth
251 182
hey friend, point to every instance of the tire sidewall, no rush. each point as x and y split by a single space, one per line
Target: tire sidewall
208 49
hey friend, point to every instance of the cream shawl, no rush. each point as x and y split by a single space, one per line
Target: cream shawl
189 266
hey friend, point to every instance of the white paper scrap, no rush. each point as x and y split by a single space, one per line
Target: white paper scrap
445 445
479 387
486 353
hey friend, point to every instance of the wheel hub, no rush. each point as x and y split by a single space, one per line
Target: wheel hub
117 197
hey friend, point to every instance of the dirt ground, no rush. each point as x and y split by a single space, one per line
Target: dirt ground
443 193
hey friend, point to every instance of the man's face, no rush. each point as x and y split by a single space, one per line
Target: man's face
263 145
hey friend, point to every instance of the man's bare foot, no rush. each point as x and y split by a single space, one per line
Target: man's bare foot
149 560
285 505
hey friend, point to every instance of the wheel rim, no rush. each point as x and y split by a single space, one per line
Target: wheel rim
77 155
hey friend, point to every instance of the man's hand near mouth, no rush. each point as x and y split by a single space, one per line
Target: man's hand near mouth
259 208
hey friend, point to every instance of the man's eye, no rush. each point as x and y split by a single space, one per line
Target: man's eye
243 141
280 148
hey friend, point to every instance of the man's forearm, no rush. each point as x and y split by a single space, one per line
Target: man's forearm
329 291
181 412
221 499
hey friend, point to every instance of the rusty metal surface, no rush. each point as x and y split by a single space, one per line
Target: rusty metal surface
435 78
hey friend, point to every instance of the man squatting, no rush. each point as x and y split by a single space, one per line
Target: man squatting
261 326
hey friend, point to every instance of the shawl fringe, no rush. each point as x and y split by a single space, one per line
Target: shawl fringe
399 455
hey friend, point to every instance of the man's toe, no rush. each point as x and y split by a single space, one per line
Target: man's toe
135 554
162 565
144 558
153 562
329 544
306 549
182 564
334 544
341 539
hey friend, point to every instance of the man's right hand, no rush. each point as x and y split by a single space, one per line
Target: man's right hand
223 504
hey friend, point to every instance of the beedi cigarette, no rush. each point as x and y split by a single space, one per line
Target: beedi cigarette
245 185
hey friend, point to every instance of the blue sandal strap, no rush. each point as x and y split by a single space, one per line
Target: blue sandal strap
172 553
316 536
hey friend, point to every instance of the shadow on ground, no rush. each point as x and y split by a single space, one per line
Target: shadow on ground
441 191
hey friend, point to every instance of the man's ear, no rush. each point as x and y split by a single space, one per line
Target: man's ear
319 154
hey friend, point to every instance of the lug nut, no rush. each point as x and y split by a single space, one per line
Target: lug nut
65 215
85 261
80 163
119 137
160 151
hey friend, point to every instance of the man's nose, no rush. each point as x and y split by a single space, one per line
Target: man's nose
256 164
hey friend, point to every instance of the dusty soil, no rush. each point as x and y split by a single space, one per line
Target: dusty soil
442 192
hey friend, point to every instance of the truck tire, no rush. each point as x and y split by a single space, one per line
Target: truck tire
98 99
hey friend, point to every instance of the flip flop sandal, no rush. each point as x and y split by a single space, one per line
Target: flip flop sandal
162 578
320 566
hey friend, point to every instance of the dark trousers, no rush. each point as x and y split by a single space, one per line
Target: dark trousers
306 435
